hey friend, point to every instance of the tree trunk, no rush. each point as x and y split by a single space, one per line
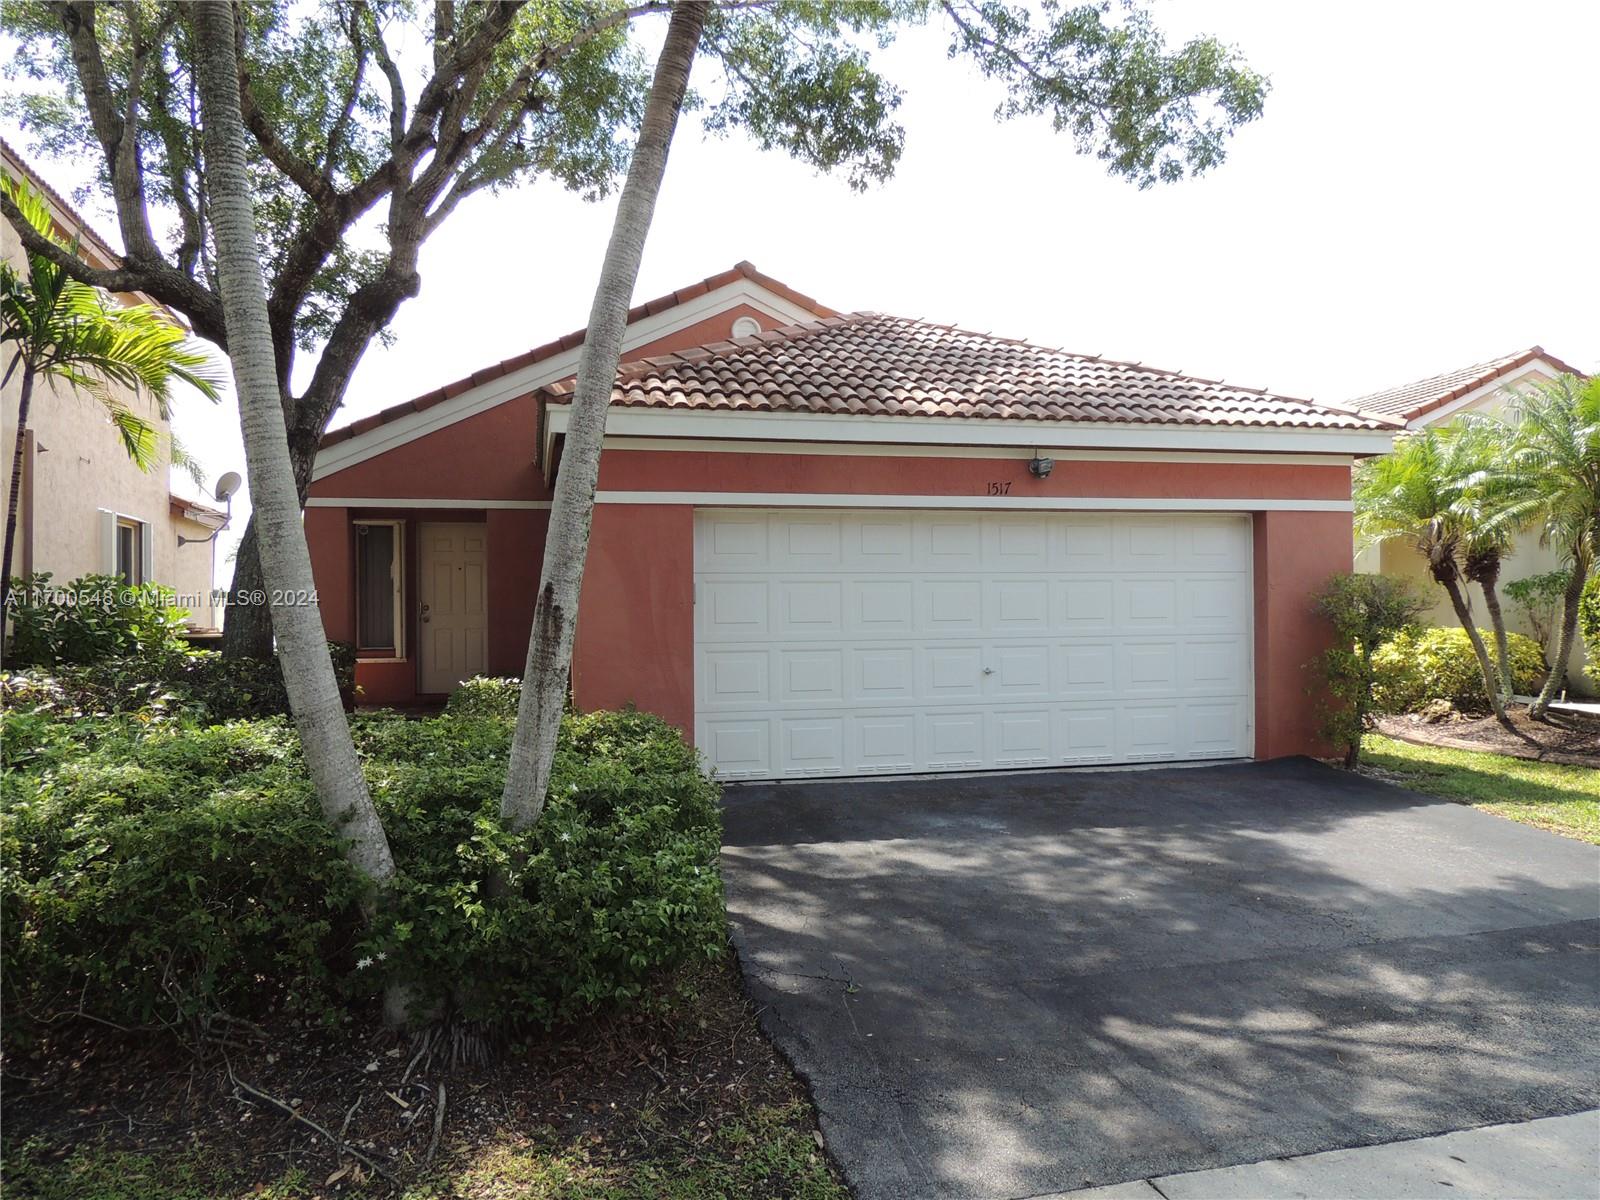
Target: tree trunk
544 684
1491 683
1565 636
1484 570
246 622
14 501
286 562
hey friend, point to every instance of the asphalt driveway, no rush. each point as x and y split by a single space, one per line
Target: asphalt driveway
1015 985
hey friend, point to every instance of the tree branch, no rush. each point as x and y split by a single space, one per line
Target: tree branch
300 172
156 280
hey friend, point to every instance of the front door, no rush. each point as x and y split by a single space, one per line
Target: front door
453 613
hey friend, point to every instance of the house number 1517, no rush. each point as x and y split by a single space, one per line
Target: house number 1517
1000 487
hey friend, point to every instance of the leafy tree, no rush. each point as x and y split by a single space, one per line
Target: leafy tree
1552 474
369 122
53 327
1112 85
1486 541
308 674
1589 624
1423 492
1365 611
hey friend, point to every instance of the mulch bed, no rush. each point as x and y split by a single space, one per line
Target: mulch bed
623 1087
1570 738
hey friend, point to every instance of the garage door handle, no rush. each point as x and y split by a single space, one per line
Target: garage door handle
988 670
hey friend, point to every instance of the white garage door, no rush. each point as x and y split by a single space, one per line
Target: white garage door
885 641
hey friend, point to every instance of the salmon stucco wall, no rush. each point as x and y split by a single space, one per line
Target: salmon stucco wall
1295 553
635 642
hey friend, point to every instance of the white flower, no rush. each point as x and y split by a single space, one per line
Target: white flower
383 956
363 963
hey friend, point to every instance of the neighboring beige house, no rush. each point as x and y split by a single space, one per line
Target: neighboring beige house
85 507
1488 388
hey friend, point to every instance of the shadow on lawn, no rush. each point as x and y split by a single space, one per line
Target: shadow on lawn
1004 986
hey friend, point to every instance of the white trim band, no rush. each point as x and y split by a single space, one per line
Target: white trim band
996 453
1006 503
413 502
974 431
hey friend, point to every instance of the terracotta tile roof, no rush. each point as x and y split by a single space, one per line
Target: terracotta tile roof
649 308
877 364
1412 400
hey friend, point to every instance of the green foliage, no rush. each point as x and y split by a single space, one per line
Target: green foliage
1539 597
485 697
1417 666
1364 610
153 872
1589 625
89 620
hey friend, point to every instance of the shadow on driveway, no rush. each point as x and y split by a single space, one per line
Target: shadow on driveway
1010 985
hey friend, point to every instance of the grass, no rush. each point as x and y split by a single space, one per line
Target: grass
1562 799
768 1153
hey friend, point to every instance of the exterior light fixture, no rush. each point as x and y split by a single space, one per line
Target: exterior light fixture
1040 468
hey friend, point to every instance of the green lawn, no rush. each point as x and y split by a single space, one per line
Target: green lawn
768 1153
1562 799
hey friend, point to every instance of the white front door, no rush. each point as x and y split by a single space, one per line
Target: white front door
452 613
885 641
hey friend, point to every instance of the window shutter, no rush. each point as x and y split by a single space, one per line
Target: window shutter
147 556
108 542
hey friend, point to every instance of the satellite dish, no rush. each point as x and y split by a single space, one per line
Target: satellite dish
227 485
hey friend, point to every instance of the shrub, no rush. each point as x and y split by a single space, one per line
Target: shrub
1363 610
156 871
89 620
482 696
1539 597
1417 666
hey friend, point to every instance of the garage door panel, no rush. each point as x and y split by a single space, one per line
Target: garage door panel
735 679
807 542
733 610
948 542
1020 738
883 674
894 642
1146 605
878 542
879 607
950 607
1085 734
953 740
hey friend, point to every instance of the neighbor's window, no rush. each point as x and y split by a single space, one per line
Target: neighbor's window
130 551
380 627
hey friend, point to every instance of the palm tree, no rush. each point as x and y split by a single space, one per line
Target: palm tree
55 328
1552 471
1421 492
544 686
302 644
1486 539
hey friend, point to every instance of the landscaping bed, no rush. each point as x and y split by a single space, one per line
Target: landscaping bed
1561 797
1570 738
690 1101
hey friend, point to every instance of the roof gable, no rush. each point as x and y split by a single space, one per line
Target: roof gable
1410 401
741 282
878 365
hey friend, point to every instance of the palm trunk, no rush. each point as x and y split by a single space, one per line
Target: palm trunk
1491 684
1484 570
14 501
544 684
286 562
1564 638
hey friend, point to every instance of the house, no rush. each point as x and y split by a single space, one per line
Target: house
85 508
1486 388
846 544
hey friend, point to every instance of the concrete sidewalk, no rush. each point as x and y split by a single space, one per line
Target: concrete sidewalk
1554 1158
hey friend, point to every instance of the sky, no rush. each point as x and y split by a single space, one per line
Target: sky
1419 195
